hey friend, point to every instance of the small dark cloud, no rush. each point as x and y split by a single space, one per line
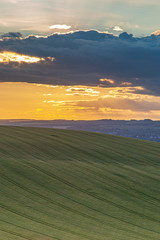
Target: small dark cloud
11 35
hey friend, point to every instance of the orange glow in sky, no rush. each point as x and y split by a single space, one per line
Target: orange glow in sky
39 101
6 57
107 80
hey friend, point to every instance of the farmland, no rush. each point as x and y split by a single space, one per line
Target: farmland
75 185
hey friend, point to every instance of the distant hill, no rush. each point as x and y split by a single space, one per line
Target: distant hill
75 185
143 129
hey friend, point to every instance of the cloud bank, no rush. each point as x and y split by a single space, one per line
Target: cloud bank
85 58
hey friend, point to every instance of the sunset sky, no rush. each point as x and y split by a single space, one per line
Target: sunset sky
88 59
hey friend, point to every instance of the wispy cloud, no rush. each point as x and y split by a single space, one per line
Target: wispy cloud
117 29
13 1
106 80
60 26
82 91
8 57
156 33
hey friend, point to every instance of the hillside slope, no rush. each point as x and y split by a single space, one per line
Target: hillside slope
72 185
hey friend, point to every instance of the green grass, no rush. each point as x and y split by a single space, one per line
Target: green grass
73 185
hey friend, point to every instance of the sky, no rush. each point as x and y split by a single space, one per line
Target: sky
88 59
140 17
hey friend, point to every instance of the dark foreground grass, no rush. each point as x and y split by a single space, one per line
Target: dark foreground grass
72 185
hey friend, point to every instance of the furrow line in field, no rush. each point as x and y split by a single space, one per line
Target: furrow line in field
24 228
80 213
96 196
34 219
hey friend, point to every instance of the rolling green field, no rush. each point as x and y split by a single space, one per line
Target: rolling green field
73 185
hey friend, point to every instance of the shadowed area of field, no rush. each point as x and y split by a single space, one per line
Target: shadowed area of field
73 185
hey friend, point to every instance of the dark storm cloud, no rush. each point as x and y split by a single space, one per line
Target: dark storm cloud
85 57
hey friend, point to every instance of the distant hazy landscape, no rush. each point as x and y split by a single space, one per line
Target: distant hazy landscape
143 129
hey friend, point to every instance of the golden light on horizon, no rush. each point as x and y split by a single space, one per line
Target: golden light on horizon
79 102
7 57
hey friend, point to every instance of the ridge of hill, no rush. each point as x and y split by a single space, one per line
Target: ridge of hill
138 129
74 185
